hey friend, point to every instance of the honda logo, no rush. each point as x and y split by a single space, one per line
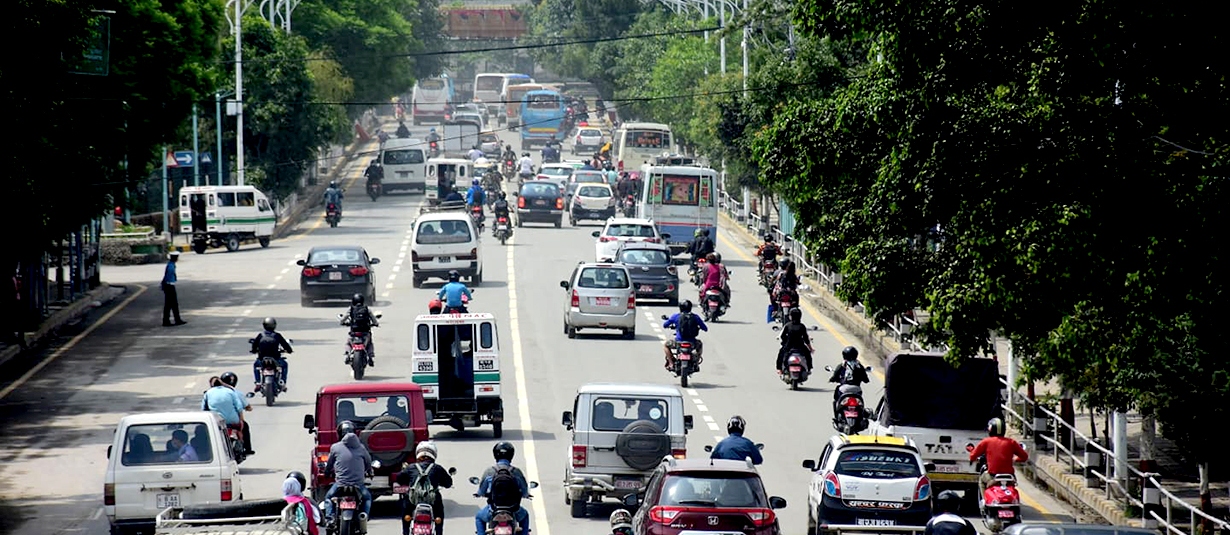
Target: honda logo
713 521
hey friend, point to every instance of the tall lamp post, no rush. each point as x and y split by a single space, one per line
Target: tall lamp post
238 7
219 166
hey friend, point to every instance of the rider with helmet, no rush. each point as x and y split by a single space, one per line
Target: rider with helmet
266 344
621 522
361 320
849 372
452 293
229 404
503 452
475 196
402 131
333 195
501 209
681 322
796 338
349 464
735 447
425 464
701 245
948 521
1001 452
767 251
716 277
306 516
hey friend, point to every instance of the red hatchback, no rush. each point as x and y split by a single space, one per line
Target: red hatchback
715 496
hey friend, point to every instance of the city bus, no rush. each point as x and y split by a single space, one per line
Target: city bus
542 116
638 144
432 99
680 200
512 98
487 88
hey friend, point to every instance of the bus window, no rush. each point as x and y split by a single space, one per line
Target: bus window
648 139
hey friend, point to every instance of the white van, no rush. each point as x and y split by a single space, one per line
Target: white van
445 240
447 172
225 215
166 459
405 164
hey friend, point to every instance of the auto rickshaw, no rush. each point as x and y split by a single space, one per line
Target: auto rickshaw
456 361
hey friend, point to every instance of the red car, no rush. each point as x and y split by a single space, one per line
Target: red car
689 495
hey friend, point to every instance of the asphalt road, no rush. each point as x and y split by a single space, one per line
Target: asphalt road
60 420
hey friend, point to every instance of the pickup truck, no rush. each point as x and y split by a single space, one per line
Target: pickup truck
264 517
942 409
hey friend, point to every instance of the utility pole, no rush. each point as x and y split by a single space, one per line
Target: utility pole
166 192
237 28
746 30
722 45
219 166
196 149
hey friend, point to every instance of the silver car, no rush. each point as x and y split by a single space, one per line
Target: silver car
599 296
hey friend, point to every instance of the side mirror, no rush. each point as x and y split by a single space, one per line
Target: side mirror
828 368
378 316
815 327
250 394
251 340
533 484
665 317
809 464
563 284
567 420
687 421
109 452
596 233
374 261
760 446
777 502
301 262
928 467
632 500
776 327
473 480
868 369
341 316
708 448
309 422
452 470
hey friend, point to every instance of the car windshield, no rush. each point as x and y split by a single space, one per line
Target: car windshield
589 177
362 409
187 442
336 256
556 171
594 191
630 230
650 257
714 489
603 277
878 464
441 232
615 413
540 189
488 138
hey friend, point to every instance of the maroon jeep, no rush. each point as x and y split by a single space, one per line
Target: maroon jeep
391 420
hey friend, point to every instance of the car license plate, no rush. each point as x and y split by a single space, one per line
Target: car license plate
601 301
1006 513
623 483
645 288
335 275
852 413
540 203
874 522
444 259
167 500
595 214
947 469
349 504
401 489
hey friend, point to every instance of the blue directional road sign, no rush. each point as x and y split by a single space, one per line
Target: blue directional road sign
185 158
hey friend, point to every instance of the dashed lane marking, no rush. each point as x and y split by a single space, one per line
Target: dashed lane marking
396 267
286 270
713 426
246 312
190 384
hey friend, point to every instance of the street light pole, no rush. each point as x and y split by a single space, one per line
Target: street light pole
237 27
744 45
722 46
196 149
219 165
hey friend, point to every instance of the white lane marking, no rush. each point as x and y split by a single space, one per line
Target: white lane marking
713 426
397 267
246 312
256 303
285 270
389 286
401 256
385 294
392 276
403 250
702 408
275 279
178 400
707 418
692 392
71 343
292 262
231 330
523 404
220 342
97 514
189 384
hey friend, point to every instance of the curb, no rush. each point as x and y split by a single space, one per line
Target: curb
59 319
1071 488
297 212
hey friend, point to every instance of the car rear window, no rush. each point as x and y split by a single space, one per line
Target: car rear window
590 177
615 413
556 171
713 489
603 278
594 191
403 157
878 464
363 409
630 230
335 256
590 132
653 257
443 232
156 444
540 189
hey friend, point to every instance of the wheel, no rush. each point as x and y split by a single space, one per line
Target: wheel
683 380
199 247
577 508
629 334
232 243
358 365
477 278
794 384
264 241
673 301
559 222
572 220
417 281
811 524
333 224
520 223
306 301
572 331
503 239
270 390
497 429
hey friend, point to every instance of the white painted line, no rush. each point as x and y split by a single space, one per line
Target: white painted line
401 256
256 303
189 384
275 279
403 250
713 426
246 312
397 267
97 514
707 418
716 439
385 294
220 342
178 400
292 262
702 408
392 276
389 286
693 392
231 330
265 293
285 270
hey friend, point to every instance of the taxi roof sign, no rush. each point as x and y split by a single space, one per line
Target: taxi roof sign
872 439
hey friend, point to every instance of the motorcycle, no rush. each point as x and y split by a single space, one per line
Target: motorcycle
357 354
503 521
503 228
509 169
271 377
434 149
768 267
850 412
698 272
794 368
374 189
234 440
332 215
1000 503
476 213
629 207
347 504
785 303
714 304
686 361
422 519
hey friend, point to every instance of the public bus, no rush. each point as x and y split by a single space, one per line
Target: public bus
512 98
542 116
432 99
487 88
680 200
638 144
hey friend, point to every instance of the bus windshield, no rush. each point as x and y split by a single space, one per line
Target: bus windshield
432 84
648 139
489 83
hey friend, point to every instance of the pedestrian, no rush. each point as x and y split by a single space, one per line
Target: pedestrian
170 301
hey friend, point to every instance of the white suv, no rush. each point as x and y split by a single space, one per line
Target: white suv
624 229
444 241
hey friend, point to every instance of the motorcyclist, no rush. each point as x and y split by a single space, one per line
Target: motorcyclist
266 344
526 166
509 155
784 281
475 196
849 372
550 153
230 380
685 309
767 251
333 195
349 463
1001 452
503 453
716 277
432 136
475 153
382 136
307 515
361 320
500 208
452 292
734 446
795 338
230 405
454 196
621 522
701 245
425 457
374 173
947 520
402 131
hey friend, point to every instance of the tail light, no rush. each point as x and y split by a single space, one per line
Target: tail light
576 299
605 239
621 165
312 272
632 302
832 486
226 490
578 141
423 517
852 401
358 346
559 203
679 454
520 202
109 494
358 271
580 456
653 240
663 514
322 459
922 490
761 517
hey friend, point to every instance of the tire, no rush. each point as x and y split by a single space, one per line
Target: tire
269 388
416 281
497 429
578 509
502 240
264 241
642 444
385 423
232 243
343 526
358 364
572 331
520 223
234 510
673 301
811 524
794 384
559 222
199 247
629 334
306 302
477 279
683 380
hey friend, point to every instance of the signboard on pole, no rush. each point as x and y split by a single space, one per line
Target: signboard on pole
170 160
184 158
96 58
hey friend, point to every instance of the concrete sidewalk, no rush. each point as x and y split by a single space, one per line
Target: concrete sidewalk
65 315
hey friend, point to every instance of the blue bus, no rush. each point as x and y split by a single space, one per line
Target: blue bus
542 116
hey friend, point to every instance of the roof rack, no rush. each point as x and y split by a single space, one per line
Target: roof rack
444 206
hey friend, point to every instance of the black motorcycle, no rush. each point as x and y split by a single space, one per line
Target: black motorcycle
271 377
794 370
686 360
333 214
421 518
850 412
503 520
347 506
356 352
374 189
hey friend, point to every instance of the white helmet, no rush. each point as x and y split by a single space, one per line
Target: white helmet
482 161
426 449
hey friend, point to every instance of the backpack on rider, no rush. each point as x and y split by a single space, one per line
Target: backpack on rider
505 493
423 490
688 327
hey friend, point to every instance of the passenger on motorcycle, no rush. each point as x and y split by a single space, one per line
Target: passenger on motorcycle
526 166
716 277
680 322
701 245
947 520
452 293
475 196
1001 452
766 252
734 447
795 338
306 516
621 522
850 372
550 154
266 344
333 195
230 405
231 380
424 465
402 131
361 320
475 153
509 154
349 464
503 453
784 281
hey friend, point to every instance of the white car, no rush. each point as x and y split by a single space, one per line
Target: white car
445 240
588 139
555 172
865 480
624 229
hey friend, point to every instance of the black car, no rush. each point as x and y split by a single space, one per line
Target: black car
540 201
652 269
336 272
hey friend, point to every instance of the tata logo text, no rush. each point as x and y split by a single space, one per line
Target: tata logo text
939 448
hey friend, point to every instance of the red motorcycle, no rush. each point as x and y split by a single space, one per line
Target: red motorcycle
629 208
768 267
785 303
434 149
796 370
332 215
476 213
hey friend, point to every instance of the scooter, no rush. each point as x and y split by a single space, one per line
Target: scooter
503 521
850 413
356 354
332 215
714 305
785 303
768 267
629 208
794 368
503 229
476 213
422 519
1000 503
234 440
686 362
699 271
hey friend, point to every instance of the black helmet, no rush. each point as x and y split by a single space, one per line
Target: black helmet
995 427
621 518
503 451
736 424
849 353
948 501
230 378
796 315
768 237
270 324
298 476
453 275
685 306
704 231
717 257
503 195
346 427
356 299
